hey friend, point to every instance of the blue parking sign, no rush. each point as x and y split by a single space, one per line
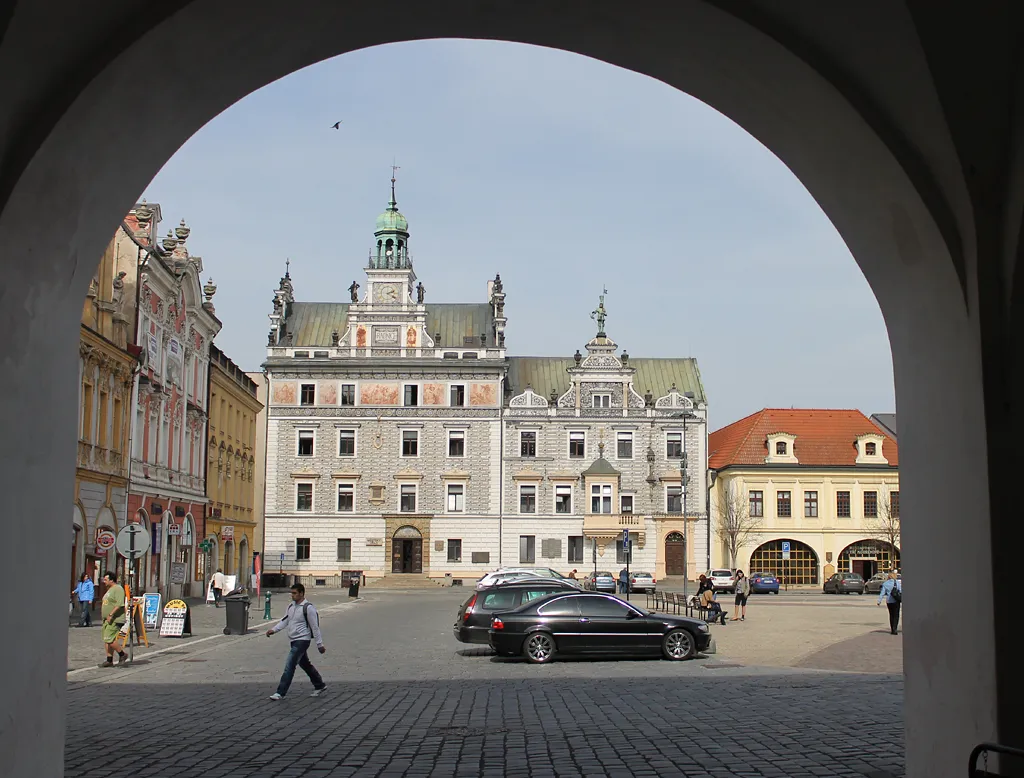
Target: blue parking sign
625 537
785 549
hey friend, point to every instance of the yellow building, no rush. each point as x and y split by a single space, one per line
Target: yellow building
230 477
106 376
804 494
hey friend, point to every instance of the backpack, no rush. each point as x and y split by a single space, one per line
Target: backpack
305 616
897 592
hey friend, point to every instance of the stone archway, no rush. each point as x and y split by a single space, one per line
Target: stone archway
872 125
407 550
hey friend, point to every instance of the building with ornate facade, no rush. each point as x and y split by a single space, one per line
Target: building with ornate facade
825 482
231 468
107 361
402 438
175 328
260 468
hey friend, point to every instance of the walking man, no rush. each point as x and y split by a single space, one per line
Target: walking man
113 612
85 591
303 624
892 593
218 587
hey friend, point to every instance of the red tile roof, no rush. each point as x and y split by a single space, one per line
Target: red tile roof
823 438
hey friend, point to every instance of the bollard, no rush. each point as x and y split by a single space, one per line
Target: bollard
266 607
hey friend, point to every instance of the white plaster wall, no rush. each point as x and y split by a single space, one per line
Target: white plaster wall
476 533
323 532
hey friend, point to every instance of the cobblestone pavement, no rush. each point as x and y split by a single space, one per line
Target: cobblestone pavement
405 699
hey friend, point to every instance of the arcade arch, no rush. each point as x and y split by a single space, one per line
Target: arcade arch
868 557
800 569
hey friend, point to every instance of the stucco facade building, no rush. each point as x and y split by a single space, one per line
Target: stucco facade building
824 481
231 468
402 439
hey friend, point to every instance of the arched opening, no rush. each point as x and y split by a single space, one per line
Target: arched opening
77 544
798 567
211 562
229 557
171 534
867 557
244 563
407 550
675 554
186 554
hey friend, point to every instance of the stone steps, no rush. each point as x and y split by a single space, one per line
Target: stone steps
404 581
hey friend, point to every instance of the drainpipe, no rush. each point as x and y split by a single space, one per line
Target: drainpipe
707 484
501 471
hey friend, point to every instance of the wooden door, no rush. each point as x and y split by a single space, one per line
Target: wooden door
396 556
675 551
416 562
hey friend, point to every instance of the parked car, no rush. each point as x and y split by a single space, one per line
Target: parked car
723 579
490 579
764 583
601 581
844 583
641 582
473 620
874 584
546 572
591 623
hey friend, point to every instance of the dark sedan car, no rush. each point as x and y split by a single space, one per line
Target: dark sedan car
844 583
874 583
474 618
590 623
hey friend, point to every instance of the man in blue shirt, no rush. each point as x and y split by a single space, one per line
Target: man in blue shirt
892 593
85 591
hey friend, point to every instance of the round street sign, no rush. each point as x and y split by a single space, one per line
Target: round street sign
105 539
132 541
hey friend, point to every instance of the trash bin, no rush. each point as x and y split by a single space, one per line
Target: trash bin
448 579
353 585
237 613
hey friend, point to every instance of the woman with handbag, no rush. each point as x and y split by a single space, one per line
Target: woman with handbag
742 592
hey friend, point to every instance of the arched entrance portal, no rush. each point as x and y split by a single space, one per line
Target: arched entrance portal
244 562
868 557
800 569
675 554
407 550
229 557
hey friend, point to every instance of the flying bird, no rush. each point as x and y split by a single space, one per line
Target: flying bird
336 126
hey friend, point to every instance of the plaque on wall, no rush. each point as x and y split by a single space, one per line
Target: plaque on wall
385 336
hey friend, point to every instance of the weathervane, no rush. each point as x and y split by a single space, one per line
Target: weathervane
600 315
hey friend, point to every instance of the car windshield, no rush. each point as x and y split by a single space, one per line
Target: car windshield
641 575
761 575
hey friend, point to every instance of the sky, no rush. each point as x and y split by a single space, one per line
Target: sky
566 175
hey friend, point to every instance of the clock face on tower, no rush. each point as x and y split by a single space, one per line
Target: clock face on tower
386 293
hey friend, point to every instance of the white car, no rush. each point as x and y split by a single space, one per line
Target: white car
723 579
503 576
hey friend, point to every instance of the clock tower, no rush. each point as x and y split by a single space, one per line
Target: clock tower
389 273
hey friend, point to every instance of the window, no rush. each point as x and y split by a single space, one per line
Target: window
577 445
563 498
102 438
563 606
601 498
87 413
624 445
305 443
674 445
620 552
602 401
348 394
456 498
626 503
456 443
346 498
528 498
304 497
118 438
871 505
346 443
527 549
894 505
843 504
407 498
454 550
870 449
412 395
757 504
780 448
784 504
457 396
674 499
575 549
344 549
603 608
301 549
811 505
410 443
307 394
527 444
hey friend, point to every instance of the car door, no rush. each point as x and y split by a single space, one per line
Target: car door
610 626
561 616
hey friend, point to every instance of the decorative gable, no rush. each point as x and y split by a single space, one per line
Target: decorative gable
528 399
674 399
869 449
781 449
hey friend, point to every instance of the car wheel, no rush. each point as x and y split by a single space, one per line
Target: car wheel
539 648
678 645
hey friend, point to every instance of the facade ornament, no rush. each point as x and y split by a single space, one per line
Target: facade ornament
501 340
270 338
118 296
421 293
170 243
209 290
334 338
577 357
497 283
648 398
94 289
483 338
182 231
625 358
143 213
352 290
600 315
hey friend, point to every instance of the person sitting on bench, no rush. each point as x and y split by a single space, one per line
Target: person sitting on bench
714 610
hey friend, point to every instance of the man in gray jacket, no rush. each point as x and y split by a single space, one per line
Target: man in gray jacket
303 623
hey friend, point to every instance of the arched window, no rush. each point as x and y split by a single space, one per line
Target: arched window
800 568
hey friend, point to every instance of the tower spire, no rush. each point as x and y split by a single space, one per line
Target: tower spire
393 205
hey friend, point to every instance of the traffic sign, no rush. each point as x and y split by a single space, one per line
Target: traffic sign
105 539
625 537
132 541
785 549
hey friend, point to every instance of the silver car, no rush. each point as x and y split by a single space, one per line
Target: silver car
492 579
601 582
723 579
641 582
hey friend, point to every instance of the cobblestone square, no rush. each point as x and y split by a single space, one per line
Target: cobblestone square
406 699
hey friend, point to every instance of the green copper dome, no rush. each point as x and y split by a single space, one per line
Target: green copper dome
391 220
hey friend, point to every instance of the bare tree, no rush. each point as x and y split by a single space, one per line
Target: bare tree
886 526
735 524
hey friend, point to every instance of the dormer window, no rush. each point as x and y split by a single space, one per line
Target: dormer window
870 449
781 448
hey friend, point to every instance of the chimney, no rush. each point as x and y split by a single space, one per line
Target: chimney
490 290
